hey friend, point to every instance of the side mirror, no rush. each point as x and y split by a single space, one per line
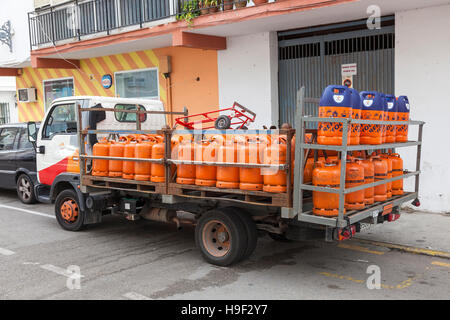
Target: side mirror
32 132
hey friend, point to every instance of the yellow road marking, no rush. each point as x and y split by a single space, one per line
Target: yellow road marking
402 285
409 249
442 264
359 248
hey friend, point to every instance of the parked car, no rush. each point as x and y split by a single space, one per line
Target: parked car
17 161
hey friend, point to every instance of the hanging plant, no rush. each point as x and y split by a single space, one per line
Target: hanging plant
189 11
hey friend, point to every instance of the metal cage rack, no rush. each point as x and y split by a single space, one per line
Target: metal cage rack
303 211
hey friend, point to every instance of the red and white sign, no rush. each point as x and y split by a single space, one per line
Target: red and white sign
349 69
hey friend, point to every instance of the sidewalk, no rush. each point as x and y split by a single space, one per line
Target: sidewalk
415 229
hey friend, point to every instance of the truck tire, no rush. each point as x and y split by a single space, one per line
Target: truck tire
221 237
250 227
25 189
67 210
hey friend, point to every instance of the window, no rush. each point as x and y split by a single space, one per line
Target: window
54 89
4 113
24 143
127 116
61 120
137 84
7 138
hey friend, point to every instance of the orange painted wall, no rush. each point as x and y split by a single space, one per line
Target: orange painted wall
188 65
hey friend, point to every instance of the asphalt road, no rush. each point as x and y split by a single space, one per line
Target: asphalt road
121 259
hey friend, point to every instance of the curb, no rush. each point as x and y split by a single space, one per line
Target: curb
409 249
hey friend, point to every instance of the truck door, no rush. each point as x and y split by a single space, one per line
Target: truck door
57 142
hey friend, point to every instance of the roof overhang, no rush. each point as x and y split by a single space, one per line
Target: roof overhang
249 20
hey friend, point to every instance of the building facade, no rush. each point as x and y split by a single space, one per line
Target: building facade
256 55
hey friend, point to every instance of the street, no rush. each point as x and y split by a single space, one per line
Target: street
122 259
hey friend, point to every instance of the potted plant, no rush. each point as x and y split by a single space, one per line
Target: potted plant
258 2
203 6
190 10
241 4
213 5
228 4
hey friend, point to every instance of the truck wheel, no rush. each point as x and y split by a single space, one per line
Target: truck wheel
67 211
25 189
250 227
221 237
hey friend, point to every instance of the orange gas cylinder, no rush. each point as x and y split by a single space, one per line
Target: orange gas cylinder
336 102
251 152
359 154
391 115
129 152
158 172
185 172
381 173
385 117
355 129
275 180
206 150
116 150
326 175
389 174
401 133
227 177
372 109
144 151
369 171
397 170
101 167
354 176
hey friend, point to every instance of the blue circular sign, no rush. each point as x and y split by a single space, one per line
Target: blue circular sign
107 81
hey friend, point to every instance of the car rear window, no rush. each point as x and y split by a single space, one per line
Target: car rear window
7 138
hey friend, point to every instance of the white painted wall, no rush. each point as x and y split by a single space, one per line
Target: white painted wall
248 74
7 95
422 70
16 12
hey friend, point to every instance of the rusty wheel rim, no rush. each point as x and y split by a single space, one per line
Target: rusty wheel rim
216 238
69 210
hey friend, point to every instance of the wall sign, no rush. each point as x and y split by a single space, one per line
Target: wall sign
6 34
107 81
349 69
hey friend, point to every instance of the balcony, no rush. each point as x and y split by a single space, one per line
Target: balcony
74 20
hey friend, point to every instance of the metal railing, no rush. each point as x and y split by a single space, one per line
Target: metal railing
77 18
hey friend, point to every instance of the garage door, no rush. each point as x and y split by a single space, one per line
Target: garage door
315 61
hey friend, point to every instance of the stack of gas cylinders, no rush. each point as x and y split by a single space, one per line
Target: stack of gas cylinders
133 146
360 169
252 148
343 102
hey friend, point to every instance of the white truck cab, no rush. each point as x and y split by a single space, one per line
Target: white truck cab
57 139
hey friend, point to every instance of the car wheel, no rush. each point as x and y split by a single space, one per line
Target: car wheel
67 210
25 189
221 237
